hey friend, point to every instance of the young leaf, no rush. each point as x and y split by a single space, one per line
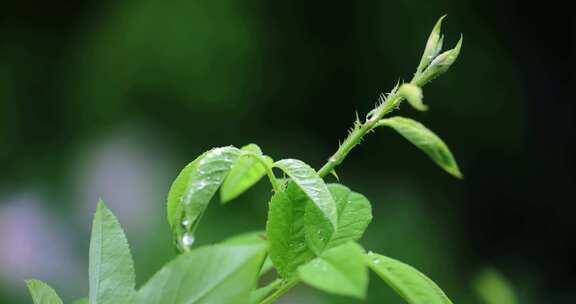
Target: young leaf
42 293
244 174
111 269
214 274
439 65
285 230
413 95
433 45
340 270
309 181
493 288
409 283
81 301
194 188
426 141
354 215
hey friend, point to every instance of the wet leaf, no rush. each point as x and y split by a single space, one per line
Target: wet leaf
340 270
224 274
409 283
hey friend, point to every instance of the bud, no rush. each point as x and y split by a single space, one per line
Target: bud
433 46
439 65
413 94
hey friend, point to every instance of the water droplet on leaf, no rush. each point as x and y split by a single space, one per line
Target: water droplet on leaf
186 223
187 239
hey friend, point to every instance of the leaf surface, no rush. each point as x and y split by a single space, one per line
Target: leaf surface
425 140
409 283
193 189
247 238
246 172
42 293
111 269
354 215
285 230
253 237
224 274
340 270
313 185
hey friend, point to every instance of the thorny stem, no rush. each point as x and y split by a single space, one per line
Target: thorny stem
355 137
280 291
387 105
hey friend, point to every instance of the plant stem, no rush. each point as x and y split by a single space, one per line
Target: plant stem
355 137
386 106
280 291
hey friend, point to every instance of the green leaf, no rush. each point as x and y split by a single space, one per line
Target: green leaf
493 288
111 269
340 270
439 65
247 238
413 95
285 230
267 266
409 283
260 294
81 301
42 293
253 237
194 188
354 215
426 140
244 174
433 46
312 184
212 274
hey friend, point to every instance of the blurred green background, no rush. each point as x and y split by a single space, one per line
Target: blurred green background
112 98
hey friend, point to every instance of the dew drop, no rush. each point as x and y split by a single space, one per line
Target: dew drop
187 239
186 223
376 261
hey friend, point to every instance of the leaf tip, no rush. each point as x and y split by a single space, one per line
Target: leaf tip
438 25
454 170
100 204
458 174
225 197
456 49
